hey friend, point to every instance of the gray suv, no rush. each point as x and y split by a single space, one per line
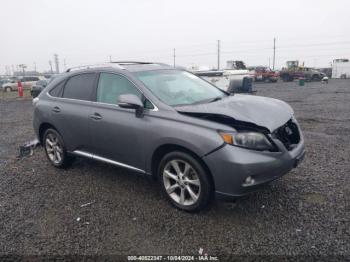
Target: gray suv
197 140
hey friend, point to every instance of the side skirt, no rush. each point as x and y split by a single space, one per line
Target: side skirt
107 160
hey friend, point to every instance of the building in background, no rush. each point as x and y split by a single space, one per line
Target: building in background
341 68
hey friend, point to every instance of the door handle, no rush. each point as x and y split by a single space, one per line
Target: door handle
56 109
96 116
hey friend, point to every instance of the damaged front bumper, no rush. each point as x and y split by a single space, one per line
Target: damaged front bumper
238 171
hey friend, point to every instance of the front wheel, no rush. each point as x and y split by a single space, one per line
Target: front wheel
184 181
8 89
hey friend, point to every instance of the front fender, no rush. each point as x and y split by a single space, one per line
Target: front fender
196 139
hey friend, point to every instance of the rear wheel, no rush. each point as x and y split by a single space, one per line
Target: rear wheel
184 181
55 149
8 89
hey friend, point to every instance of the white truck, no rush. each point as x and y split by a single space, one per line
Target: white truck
234 78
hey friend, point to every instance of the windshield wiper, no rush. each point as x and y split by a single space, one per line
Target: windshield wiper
210 100
215 99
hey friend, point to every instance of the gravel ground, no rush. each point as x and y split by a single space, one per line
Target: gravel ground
304 213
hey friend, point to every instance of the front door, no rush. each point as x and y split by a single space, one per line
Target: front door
116 133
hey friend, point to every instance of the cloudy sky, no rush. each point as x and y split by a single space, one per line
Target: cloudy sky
89 31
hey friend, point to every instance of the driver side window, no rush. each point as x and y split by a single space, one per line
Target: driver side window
111 86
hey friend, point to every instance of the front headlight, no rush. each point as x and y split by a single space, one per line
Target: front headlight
250 140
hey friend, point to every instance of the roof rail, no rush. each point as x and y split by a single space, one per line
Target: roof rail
137 63
132 62
94 66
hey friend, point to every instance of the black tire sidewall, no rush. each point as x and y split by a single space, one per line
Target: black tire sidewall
206 185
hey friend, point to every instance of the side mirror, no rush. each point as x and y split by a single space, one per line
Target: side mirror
129 101
132 102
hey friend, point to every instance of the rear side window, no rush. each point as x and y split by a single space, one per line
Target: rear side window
79 87
57 90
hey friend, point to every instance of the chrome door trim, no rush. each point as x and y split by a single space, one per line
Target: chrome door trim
107 160
94 102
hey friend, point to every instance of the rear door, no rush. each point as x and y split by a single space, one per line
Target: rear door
70 112
117 134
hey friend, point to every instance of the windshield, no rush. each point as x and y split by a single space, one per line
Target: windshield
175 87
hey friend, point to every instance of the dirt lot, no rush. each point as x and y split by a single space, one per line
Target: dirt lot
304 213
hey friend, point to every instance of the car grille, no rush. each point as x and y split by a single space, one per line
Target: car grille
288 134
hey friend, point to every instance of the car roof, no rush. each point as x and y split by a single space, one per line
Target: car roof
130 66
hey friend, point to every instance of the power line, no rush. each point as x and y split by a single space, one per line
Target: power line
274 53
218 54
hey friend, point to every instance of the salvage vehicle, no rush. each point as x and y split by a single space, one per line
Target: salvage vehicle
294 71
38 87
27 82
197 140
4 81
234 78
263 73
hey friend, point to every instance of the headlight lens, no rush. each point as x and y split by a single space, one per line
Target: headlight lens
251 140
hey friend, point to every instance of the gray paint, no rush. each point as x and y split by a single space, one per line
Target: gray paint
121 137
262 111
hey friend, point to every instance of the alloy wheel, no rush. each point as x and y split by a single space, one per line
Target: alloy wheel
181 182
53 148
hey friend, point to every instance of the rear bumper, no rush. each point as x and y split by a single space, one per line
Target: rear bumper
230 166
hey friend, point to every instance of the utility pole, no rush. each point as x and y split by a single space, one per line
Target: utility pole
174 55
50 63
110 58
274 54
23 66
56 63
218 54
34 67
64 64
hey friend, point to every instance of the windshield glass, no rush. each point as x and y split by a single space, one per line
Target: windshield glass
175 87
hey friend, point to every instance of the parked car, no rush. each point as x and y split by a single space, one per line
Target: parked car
263 73
38 87
27 82
4 81
195 138
294 71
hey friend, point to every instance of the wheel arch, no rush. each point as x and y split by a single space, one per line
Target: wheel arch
42 128
162 150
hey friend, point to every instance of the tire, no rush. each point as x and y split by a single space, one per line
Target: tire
8 89
55 149
174 181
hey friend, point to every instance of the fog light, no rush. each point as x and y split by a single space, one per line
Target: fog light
249 181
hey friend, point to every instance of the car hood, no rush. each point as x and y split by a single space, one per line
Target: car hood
261 111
